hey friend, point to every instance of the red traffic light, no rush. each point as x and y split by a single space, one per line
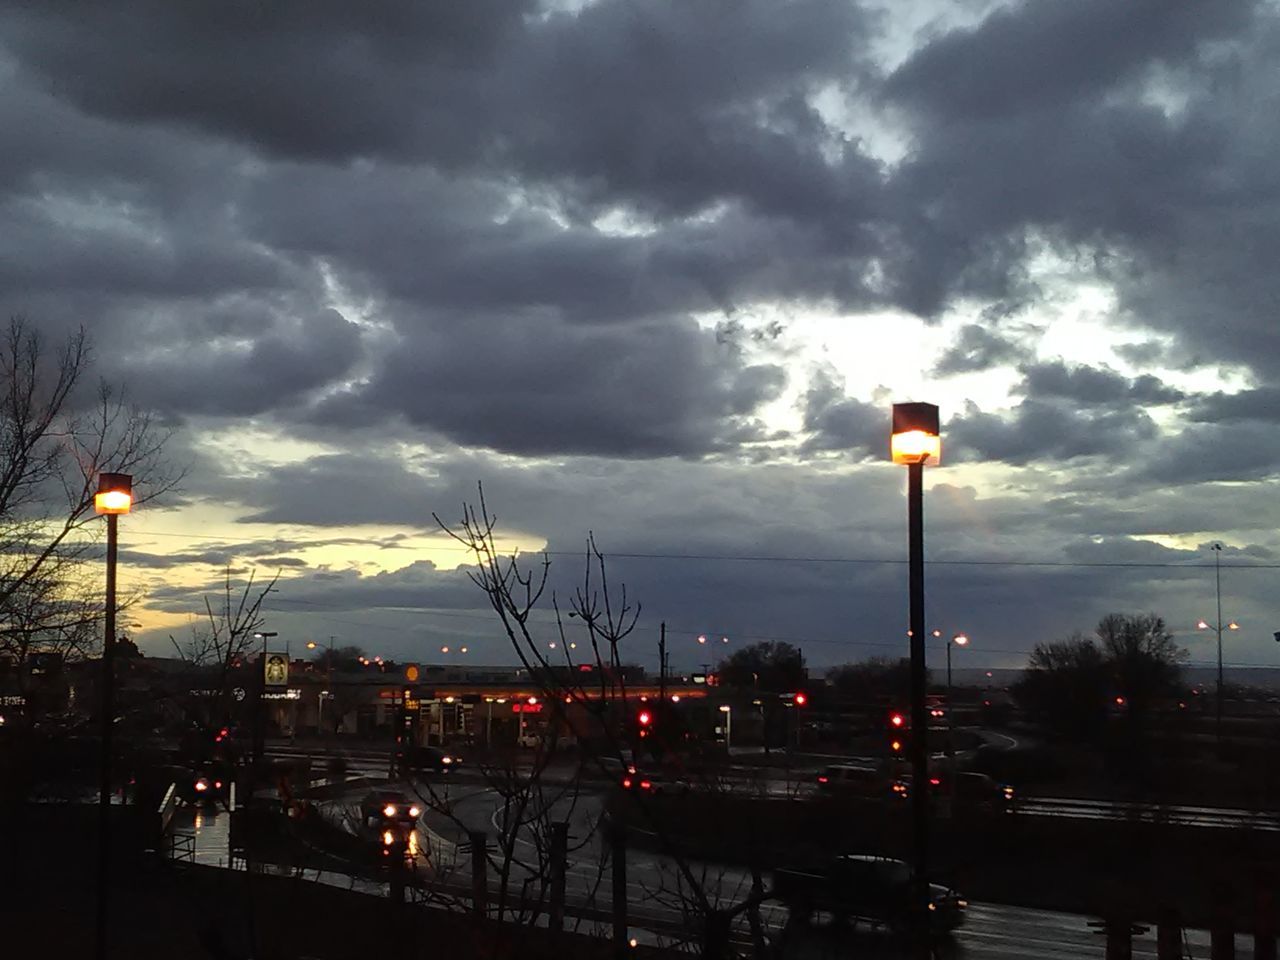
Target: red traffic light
897 719
644 718
800 699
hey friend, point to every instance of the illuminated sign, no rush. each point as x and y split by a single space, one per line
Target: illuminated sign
275 670
526 708
293 693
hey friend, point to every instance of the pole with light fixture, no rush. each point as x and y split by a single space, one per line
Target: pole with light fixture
328 647
260 707
114 497
1218 626
728 727
916 439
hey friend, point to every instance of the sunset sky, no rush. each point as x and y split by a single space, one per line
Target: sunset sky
657 271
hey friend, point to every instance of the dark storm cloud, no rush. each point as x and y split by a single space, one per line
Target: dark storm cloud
1036 57
1244 451
534 385
839 422
1129 138
1038 430
977 349
1094 386
224 376
1229 408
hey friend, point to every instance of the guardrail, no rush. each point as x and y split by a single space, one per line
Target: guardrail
174 846
1178 814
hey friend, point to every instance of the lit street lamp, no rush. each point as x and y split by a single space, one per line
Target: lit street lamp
114 497
312 645
915 439
728 726
1218 627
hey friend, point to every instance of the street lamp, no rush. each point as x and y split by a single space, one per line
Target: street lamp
114 497
915 439
728 726
1218 627
328 647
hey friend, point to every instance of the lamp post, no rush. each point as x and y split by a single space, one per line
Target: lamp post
312 645
114 497
260 709
915 439
1218 626
728 726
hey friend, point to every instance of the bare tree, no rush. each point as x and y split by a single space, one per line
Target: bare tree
226 637
53 448
515 592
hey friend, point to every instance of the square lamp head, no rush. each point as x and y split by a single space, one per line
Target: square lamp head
915 434
115 493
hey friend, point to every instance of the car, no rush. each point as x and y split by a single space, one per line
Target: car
975 791
873 889
853 780
650 784
381 808
207 783
427 760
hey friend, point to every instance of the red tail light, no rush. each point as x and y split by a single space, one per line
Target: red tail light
822 779
645 785
935 781
626 784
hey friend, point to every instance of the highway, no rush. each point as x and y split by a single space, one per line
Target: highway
799 783
990 931
658 898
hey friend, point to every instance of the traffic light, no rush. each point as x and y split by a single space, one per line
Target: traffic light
645 720
897 721
800 699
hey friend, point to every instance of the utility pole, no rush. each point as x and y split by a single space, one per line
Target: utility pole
662 661
1217 581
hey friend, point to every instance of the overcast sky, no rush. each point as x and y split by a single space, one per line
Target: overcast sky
657 270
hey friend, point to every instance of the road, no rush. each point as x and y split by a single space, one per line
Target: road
991 930
800 783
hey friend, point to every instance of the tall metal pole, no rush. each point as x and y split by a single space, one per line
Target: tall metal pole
662 661
919 715
1217 579
108 723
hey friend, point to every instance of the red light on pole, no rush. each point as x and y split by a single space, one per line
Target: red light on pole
897 719
644 718
801 699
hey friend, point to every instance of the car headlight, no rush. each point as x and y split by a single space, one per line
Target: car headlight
389 810
202 785
962 904
933 906
414 811
446 760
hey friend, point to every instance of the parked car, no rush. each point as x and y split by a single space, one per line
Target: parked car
427 760
852 780
876 890
381 808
